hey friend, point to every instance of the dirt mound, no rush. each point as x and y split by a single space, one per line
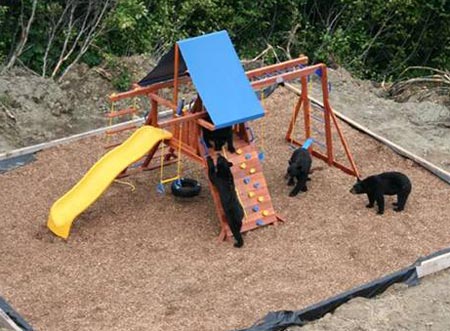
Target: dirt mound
35 109
32 109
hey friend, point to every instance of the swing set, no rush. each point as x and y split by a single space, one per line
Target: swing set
230 103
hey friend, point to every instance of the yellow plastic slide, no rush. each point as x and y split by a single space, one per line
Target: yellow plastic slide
100 176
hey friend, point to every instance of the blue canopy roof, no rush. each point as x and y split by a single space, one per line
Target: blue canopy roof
220 79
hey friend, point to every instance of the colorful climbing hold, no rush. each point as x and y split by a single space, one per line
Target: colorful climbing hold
260 199
251 194
252 170
246 180
248 156
256 185
265 212
243 165
259 222
239 151
255 208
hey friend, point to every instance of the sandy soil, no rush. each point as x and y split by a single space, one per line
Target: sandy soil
425 307
420 127
139 260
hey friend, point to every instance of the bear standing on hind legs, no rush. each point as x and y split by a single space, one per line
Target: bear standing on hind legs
386 183
223 180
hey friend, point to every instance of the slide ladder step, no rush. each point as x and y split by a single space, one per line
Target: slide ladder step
121 129
122 112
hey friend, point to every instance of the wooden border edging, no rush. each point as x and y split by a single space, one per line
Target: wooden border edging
78 136
433 264
439 172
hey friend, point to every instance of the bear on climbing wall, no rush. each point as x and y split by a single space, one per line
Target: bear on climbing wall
222 178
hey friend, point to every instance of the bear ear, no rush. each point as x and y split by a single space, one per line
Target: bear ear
230 164
358 180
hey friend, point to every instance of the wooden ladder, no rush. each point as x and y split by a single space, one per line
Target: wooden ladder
252 189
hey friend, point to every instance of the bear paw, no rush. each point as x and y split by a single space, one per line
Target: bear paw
397 209
304 189
293 194
380 212
238 244
370 205
232 149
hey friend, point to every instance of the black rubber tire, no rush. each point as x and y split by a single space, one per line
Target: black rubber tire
189 188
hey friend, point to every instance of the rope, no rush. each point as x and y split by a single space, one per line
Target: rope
240 201
161 172
133 188
179 152
235 188
110 121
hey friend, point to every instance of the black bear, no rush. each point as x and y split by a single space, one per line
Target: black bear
223 180
386 183
219 137
299 167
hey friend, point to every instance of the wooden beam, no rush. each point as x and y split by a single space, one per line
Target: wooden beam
258 84
206 124
181 119
186 149
344 143
175 75
306 108
162 101
147 89
278 66
433 265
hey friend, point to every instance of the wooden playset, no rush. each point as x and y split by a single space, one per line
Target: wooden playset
226 95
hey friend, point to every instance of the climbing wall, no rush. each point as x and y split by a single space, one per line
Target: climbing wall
252 189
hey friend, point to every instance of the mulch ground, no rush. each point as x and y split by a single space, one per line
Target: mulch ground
143 261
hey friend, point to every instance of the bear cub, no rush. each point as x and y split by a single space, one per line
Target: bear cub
223 180
386 183
299 168
219 137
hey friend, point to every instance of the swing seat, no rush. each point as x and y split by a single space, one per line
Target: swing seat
186 188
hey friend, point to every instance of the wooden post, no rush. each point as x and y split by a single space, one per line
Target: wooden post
345 144
306 108
150 156
152 118
327 115
294 119
175 76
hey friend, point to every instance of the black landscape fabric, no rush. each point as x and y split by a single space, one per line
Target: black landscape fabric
278 321
20 322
